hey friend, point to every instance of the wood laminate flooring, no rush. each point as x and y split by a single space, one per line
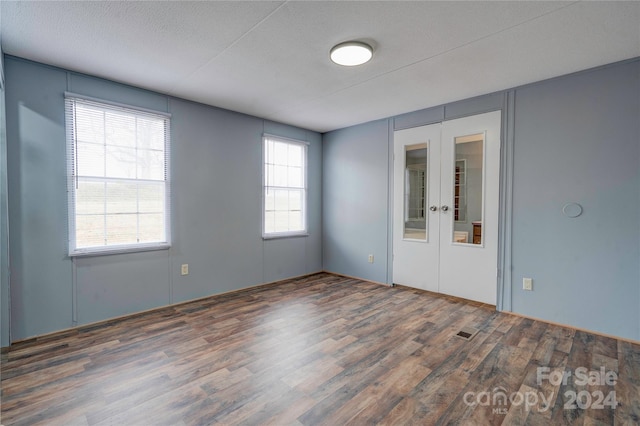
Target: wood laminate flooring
318 350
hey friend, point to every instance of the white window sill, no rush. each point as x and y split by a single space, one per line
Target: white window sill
118 250
281 236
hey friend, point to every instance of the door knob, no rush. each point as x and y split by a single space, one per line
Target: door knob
444 208
433 208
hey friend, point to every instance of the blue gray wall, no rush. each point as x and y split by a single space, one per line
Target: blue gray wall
577 140
574 138
569 139
216 163
4 219
355 201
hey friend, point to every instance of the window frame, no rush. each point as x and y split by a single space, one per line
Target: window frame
71 100
305 162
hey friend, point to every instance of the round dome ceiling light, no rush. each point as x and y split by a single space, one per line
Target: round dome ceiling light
351 53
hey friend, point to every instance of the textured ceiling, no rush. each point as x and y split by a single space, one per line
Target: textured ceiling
270 59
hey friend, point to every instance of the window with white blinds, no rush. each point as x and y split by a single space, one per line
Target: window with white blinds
284 187
118 178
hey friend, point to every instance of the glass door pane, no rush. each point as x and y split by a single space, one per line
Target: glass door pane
467 189
415 192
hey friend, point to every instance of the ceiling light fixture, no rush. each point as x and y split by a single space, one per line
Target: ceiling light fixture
351 53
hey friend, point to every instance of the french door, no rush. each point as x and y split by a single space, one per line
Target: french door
446 194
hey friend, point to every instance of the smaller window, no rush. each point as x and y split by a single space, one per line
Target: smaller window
284 192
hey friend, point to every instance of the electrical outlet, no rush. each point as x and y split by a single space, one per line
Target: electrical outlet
370 258
527 284
184 269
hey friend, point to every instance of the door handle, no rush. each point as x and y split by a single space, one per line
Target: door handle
444 208
433 208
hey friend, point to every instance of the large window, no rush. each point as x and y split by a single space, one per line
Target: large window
118 178
284 187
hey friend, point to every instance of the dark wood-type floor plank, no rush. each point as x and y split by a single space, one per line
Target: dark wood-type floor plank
318 350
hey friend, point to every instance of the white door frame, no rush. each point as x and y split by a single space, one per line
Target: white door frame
479 260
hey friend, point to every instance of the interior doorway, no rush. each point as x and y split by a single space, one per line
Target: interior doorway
446 201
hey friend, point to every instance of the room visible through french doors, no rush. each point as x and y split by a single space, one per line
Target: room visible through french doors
446 192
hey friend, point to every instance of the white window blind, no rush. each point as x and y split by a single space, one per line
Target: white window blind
284 187
118 178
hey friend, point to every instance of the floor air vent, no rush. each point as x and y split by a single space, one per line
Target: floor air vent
467 333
